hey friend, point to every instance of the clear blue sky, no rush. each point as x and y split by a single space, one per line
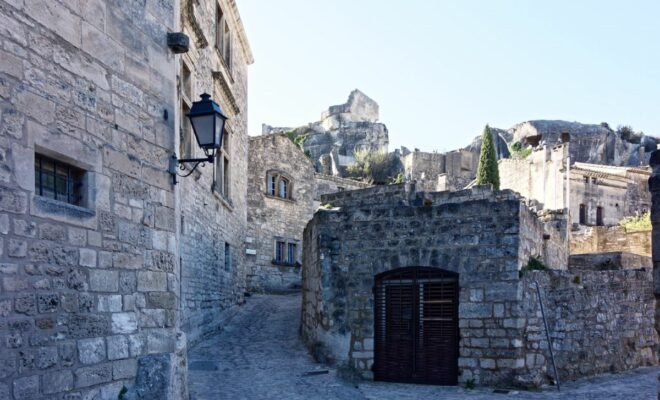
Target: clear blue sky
441 70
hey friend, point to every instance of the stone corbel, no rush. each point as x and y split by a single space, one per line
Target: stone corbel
189 18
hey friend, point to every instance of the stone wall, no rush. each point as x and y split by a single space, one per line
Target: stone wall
599 322
271 218
327 184
383 228
599 239
453 170
608 261
87 290
213 222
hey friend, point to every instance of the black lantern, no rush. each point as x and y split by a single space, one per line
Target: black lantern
208 123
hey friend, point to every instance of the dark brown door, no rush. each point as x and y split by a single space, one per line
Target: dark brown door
416 326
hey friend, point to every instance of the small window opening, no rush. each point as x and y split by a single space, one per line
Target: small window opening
57 180
583 214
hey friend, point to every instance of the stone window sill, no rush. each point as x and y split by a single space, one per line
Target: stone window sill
224 201
270 196
285 264
45 207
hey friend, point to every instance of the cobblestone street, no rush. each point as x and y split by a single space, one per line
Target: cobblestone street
259 356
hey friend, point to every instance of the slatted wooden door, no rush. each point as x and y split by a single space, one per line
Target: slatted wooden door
416 326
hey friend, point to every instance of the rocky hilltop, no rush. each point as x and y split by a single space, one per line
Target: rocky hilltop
590 143
342 129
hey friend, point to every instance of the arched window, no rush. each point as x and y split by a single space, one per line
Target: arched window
278 185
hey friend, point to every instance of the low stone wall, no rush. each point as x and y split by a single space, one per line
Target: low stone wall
609 261
600 239
599 321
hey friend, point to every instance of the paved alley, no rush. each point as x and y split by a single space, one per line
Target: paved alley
259 356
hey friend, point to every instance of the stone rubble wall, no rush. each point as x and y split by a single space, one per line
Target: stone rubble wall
608 261
87 291
599 322
600 239
472 232
212 281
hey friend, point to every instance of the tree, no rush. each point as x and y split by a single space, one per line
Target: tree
487 171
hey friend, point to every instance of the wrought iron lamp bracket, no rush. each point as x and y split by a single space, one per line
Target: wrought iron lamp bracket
180 164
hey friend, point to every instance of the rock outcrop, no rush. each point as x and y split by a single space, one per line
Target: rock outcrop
590 143
342 130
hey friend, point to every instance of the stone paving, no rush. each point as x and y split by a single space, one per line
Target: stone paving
259 356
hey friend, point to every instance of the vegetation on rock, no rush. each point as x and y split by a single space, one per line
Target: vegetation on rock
519 152
371 166
487 172
637 223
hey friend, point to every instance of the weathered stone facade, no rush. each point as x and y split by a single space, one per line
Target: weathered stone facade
599 239
487 238
100 289
213 218
599 194
273 218
440 171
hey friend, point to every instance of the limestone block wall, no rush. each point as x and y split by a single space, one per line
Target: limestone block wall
599 322
271 218
327 184
87 290
212 221
473 232
599 239
609 261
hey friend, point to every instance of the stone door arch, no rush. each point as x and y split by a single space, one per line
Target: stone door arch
416 326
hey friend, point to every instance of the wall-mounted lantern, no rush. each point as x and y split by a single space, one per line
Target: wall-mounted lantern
208 123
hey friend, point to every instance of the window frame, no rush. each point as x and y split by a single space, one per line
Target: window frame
186 139
582 217
223 37
282 254
274 181
222 168
76 181
599 216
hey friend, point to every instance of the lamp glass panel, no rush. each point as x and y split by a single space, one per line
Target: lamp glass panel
203 126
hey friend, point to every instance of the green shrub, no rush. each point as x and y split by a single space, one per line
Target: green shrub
534 264
637 223
470 384
519 152
370 166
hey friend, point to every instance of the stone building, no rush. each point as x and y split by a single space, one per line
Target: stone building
213 202
105 264
453 170
283 192
599 194
410 286
342 129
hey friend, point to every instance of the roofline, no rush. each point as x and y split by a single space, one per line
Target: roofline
242 36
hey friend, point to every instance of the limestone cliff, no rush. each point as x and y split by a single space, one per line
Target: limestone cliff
590 143
342 129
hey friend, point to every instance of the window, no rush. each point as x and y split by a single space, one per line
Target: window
583 214
586 179
599 216
59 181
594 180
185 129
291 253
222 183
227 257
223 37
286 252
278 185
279 251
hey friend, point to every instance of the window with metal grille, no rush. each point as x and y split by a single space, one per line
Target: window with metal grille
57 180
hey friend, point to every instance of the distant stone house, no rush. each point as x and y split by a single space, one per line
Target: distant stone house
599 195
283 193
106 267
437 287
